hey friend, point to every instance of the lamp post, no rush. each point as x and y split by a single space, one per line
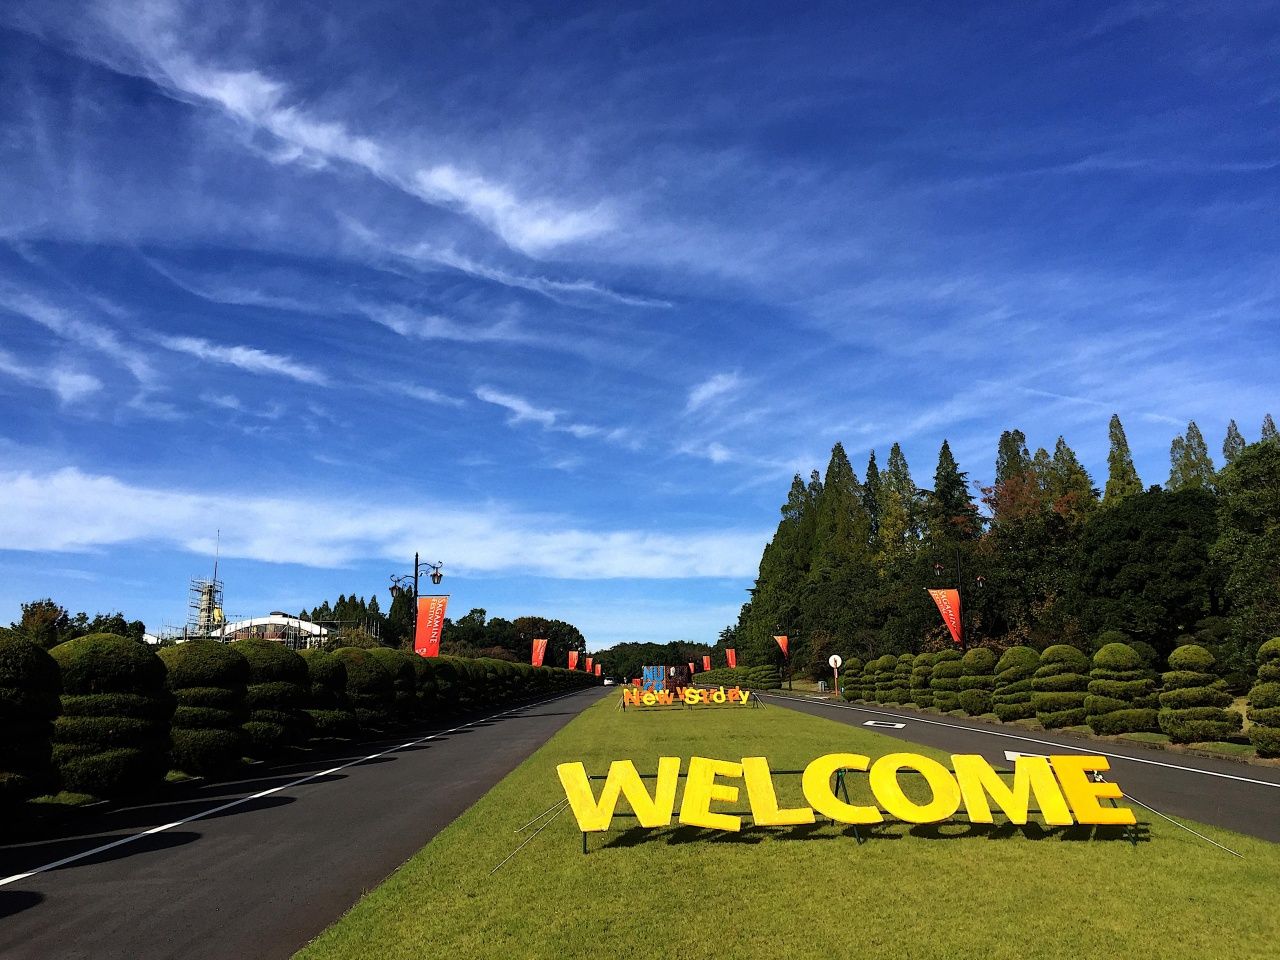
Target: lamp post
978 582
400 586
786 654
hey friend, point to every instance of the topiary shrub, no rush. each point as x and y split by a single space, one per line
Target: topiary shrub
977 680
404 678
900 685
277 694
29 688
851 679
1192 701
326 704
1122 693
1107 637
112 739
885 668
370 688
921 671
1264 701
207 680
945 681
427 688
1011 699
867 686
1059 685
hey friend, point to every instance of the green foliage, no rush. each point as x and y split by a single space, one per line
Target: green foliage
1264 701
205 739
921 674
1190 467
29 703
945 683
370 688
399 664
1059 687
276 694
1122 477
977 681
1011 699
97 749
1122 695
1248 550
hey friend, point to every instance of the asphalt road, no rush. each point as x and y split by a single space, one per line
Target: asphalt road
1238 796
253 869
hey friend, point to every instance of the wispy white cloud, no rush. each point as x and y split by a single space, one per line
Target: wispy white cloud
67 383
69 510
713 388
249 359
419 325
416 391
524 411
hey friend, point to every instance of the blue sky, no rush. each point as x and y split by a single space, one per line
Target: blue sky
562 294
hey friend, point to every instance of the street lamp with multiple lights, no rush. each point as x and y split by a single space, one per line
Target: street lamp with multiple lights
400 585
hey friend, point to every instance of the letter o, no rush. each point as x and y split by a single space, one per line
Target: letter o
945 792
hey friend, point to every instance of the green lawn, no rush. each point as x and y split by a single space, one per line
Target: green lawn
918 892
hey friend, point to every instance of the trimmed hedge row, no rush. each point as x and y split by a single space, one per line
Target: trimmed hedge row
1122 692
1193 698
1264 701
29 687
977 680
1011 699
753 678
1058 687
207 680
945 680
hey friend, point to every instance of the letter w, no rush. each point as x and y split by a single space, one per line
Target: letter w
650 811
665 698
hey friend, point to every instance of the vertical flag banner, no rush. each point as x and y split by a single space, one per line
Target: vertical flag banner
588 664
539 651
691 670
426 638
948 602
706 662
732 656
597 669
573 659
782 642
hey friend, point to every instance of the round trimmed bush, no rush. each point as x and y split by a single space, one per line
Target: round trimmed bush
327 706
885 668
1011 699
29 687
370 688
977 680
113 737
276 696
1122 692
945 680
1059 685
900 685
921 672
1193 698
851 679
404 701
1264 701
207 680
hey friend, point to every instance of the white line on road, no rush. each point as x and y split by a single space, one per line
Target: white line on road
265 793
1045 743
881 723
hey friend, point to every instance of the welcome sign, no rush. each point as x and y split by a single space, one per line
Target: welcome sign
687 696
1061 786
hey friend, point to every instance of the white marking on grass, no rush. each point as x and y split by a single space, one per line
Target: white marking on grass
263 793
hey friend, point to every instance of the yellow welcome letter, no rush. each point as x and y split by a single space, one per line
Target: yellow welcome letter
763 800
622 780
884 784
1083 794
816 784
700 789
1030 775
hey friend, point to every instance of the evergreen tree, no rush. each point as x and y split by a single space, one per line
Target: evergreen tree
1122 477
840 573
1189 465
953 513
1070 488
899 506
871 496
1012 459
1233 444
1268 429
1042 470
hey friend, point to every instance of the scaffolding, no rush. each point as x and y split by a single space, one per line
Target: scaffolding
205 617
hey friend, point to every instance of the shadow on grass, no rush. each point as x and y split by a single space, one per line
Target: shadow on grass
676 836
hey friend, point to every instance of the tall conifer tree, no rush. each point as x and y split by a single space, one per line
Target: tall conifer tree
1268 429
1190 467
1012 459
953 512
899 506
871 495
840 576
1233 444
1122 476
1071 490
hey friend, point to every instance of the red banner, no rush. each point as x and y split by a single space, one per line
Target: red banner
430 626
597 669
732 656
706 662
539 651
573 659
588 664
691 670
948 602
782 642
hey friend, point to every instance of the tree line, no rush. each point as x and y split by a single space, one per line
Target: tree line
1041 555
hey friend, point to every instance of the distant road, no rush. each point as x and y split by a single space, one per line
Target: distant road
253 869
1239 796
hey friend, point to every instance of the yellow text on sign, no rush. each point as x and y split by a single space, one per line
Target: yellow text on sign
1061 787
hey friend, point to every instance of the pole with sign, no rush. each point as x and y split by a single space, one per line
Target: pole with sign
835 662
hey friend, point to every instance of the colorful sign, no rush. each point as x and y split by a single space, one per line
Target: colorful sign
1063 789
589 663
539 651
782 642
598 670
731 655
706 662
573 659
686 696
430 626
948 602
691 670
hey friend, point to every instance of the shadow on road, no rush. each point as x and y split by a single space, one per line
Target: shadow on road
15 901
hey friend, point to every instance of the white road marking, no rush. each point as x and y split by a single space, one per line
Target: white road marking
264 793
1045 743
881 723
1013 755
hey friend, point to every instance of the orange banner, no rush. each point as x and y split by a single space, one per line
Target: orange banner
691 670
539 651
430 626
573 659
597 669
588 664
732 656
706 662
782 642
948 602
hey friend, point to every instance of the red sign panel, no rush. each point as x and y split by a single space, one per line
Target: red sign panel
589 662
430 627
597 669
732 656
706 662
782 642
539 651
573 659
948 602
